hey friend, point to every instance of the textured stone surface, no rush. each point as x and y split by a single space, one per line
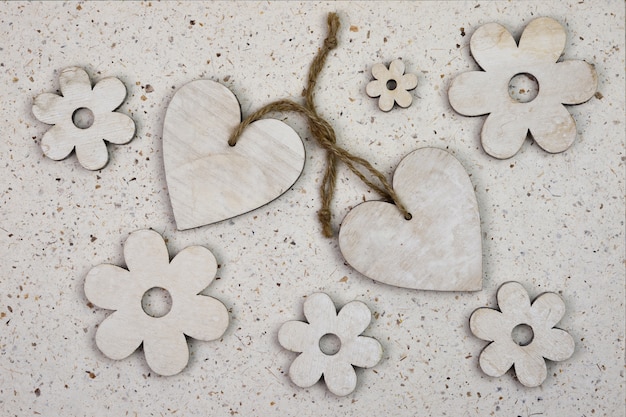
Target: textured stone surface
552 222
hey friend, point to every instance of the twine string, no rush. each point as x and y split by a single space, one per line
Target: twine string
323 132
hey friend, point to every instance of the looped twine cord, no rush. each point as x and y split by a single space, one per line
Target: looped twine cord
323 132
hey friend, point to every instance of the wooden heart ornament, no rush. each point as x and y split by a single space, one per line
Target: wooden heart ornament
439 248
209 180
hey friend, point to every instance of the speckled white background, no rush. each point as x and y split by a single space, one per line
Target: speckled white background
552 222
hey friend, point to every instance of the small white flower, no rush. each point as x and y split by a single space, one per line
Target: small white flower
477 93
164 344
516 310
101 122
392 85
334 364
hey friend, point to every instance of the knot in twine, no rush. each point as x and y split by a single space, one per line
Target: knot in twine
324 133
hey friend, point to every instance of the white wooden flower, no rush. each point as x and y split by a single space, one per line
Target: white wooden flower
493 91
330 344
83 118
538 319
391 85
163 337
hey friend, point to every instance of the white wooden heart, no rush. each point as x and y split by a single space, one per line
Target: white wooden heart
210 181
439 248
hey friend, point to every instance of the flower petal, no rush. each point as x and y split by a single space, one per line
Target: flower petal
55 144
353 319
554 344
575 82
530 369
197 266
116 127
548 309
554 129
408 82
474 93
117 337
386 100
491 44
296 336
319 309
306 370
497 358
485 323
396 69
106 286
75 84
503 133
340 378
403 98
108 95
203 317
167 352
543 40
145 253
92 154
380 72
375 88
362 351
48 108
513 298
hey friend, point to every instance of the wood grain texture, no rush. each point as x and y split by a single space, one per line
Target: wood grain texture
335 364
488 92
196 315
440 248
391 85
546 341
210 181
87 135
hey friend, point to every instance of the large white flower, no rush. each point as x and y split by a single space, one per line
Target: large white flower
164 343
335 360
516 311
487 92
99 122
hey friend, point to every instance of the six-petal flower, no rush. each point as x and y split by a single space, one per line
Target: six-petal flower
336 367
516 310
103 124
391 85
164 343
477 93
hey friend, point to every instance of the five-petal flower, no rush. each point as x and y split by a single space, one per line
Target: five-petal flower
345 327
392 85
516 310
164 343
477 93
88 136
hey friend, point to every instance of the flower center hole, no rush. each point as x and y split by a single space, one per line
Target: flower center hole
523 88
392 85
156 302
330 344
82 118
522 334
